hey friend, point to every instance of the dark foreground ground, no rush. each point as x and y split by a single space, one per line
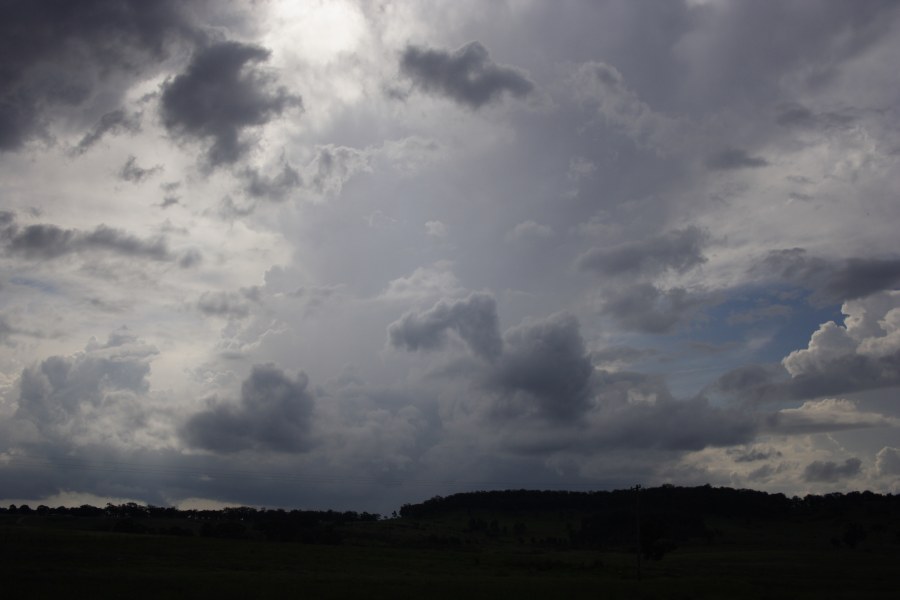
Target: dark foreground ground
471 550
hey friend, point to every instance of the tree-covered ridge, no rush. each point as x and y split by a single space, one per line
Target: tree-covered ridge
702 501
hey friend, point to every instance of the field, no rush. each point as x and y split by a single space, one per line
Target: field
447 555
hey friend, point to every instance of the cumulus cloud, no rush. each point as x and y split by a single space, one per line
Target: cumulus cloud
91 395
221 94
830 472
275 413
466 75
679 250
474 319
544 368
862 354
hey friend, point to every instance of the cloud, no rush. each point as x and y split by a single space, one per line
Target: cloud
830 472
679 250
734 158
474 319
887 462
602 86
818 416
91 395
529 230
862 354
436 229
43 241
224 304
220 95
111 122
650 309
275 187
433 281
130 171
832 280
275 413
57 54
544 368
467 75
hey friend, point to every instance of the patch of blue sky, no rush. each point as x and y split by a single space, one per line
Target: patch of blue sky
35 284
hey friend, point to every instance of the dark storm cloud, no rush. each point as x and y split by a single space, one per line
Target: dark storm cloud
46 242
829 472
220 94
466 75
734 158
130 171
54 51
679 250
474 319
832 280
111 122
275 413
544 367
646 308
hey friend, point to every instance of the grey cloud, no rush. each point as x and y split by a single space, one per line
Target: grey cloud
224 304
130 171
55 52
544 367
797 115
474 319
734 158
466 75
111 122
276 187
66 393
887 461
830 472
832 280
679 250
754 454
275 413
220 94
46 242
649 309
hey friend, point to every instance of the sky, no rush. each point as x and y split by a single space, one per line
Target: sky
337 254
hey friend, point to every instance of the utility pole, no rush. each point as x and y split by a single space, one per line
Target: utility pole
637 523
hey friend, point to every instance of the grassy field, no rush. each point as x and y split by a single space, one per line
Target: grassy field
44 557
